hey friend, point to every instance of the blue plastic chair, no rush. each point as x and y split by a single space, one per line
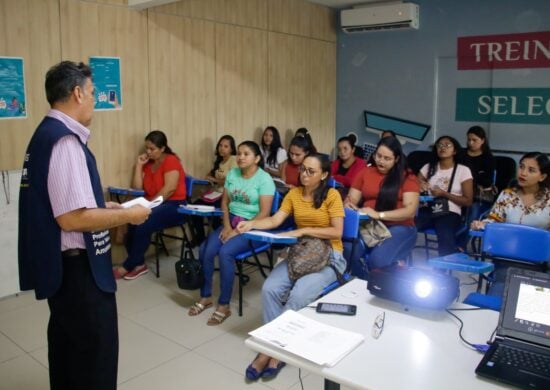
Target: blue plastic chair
350 234
242 258
158 238
508 243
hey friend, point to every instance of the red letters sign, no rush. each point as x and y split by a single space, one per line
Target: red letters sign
527 50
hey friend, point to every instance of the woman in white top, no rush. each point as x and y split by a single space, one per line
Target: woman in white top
434 179
272 151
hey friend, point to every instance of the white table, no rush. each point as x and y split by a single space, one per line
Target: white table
418 349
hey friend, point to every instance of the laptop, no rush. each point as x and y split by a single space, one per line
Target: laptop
520 354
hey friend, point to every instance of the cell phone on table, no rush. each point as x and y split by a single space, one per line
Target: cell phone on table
336 308
112 96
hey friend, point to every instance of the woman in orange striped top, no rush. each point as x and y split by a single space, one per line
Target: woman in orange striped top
318 212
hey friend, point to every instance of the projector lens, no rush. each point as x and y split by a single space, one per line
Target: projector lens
423 288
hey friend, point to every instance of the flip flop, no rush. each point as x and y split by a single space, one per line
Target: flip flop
198 308
271 372
218 318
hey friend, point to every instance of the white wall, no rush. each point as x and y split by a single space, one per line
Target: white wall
9 274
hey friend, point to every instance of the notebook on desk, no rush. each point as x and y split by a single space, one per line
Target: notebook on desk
520 354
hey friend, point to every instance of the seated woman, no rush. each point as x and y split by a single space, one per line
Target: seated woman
298 150
525 203
390 192
480 160
248 195
346 167
225 162
272 151
158 172
304 133
435 178
318 212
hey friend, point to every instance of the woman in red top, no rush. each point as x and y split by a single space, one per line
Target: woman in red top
346 167
159 173
297 152
390 194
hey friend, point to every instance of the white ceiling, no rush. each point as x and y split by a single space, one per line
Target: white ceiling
346 3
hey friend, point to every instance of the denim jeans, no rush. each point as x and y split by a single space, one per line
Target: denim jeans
397 247
278 287
138 238
226 253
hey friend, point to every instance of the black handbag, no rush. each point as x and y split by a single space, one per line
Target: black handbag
440 205
189 273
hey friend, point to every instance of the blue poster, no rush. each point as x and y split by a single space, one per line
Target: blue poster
108 88
12 88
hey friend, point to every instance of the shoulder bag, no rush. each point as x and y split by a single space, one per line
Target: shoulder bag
373 232
189 273
307 256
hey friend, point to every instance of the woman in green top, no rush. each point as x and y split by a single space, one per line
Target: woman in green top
248 194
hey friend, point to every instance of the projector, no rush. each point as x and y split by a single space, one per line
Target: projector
414 287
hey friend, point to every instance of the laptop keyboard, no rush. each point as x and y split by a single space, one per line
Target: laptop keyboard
529 361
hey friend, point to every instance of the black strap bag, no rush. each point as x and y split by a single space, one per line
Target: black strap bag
440 205
189 273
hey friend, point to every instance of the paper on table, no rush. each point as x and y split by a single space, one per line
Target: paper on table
265 234
199 207
143 202
214 195
312 340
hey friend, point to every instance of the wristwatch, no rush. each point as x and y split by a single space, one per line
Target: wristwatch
381 215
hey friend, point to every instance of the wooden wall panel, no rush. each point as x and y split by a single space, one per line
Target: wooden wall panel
19 23
92 29
321 87
289 16
241 81
250 13
182 87
302 87
323 22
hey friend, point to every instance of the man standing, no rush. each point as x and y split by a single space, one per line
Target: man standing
64 244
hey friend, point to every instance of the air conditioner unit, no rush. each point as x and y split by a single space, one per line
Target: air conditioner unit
380 17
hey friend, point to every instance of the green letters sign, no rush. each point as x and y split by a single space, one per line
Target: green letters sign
504 105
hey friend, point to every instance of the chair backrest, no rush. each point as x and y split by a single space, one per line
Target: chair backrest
417 159
516 242
505 171
189 186
331 182
351 224
276 202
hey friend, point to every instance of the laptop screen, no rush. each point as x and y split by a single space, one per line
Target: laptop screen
526 308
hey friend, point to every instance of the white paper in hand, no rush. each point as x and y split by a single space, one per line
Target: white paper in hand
143 202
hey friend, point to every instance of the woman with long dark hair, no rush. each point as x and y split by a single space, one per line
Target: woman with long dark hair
272 151
247 195
305 134
526 202
479 158
390 194
225 161
298 150
346 167
158 172
318 212
435 178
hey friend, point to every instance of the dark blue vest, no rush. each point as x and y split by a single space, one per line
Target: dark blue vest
40 263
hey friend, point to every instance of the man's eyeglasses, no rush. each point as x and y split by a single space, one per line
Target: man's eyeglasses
378 325
443 146
307 171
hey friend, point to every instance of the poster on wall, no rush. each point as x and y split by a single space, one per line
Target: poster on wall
12 88
107 82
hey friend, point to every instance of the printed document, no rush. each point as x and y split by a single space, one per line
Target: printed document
143 202
312 340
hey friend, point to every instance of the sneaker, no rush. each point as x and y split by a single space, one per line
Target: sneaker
136 272
119 273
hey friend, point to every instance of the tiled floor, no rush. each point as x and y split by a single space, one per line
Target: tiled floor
161 347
